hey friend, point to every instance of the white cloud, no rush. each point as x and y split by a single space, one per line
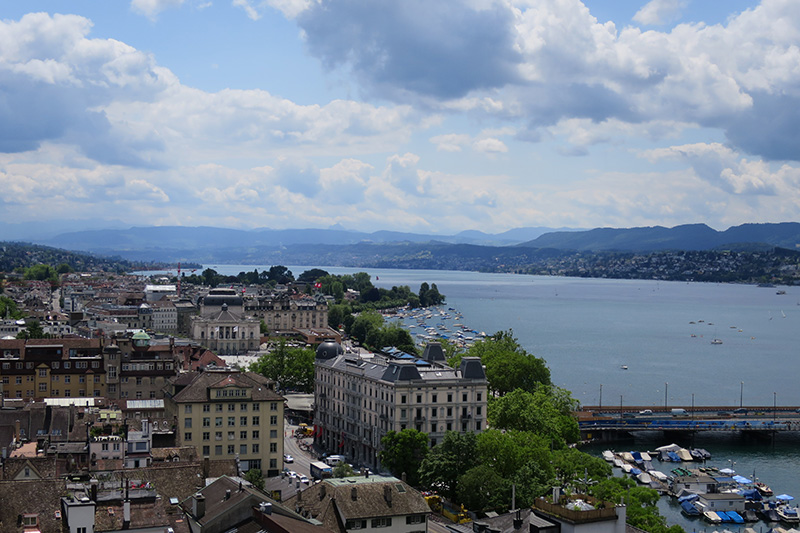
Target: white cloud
151 8
490 146
658 12
451 142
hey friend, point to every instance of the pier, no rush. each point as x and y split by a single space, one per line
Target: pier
598 423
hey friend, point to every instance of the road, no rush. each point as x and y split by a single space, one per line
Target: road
302 459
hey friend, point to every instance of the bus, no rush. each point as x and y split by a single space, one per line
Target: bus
320 470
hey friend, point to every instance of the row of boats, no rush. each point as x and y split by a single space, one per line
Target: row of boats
749 497
429 324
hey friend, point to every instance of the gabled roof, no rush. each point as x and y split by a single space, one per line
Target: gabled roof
197 388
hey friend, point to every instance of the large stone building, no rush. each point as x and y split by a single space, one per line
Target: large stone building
227 414
359 399
48 368
287 313
222 325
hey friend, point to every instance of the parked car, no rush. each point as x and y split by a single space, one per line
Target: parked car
646 412
740 411
628 415
288 458
304 479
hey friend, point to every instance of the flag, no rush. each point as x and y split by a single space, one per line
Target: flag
318 285
235 329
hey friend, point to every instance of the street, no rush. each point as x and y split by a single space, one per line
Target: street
302 459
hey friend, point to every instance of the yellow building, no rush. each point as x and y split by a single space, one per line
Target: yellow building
227 414
52 368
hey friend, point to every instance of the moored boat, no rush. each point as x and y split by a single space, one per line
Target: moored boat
711 516
788 514
688 509
608 455
763 488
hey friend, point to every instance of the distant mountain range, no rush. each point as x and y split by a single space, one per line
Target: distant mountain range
339 246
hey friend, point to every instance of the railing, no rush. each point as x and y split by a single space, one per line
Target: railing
605 513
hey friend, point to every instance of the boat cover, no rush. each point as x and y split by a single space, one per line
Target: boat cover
689 509
674 457
688 498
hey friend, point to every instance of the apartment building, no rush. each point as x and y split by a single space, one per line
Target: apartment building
358 399
35 369
286 313
227 414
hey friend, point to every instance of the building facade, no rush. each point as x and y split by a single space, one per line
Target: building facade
358 400
227 414
284 313
35 369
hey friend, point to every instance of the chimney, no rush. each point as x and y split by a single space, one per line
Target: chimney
206 467
387 494
126 514
198 505
240 486
403 477
354 494
228 494
518 520
299 495
322 492
93 484
265 508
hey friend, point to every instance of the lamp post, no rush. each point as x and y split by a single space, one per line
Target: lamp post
620 402
601 396
666 390
692 407
741 394
774 405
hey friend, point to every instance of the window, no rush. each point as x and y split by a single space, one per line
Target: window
231 407
273 433
478 410
273 406
449 397
231 435
66 378
243 449
218 435
231 449
402 398
256 421
255 434
273 420
97 379
187 409
206 408
464 397
415 519
478 396
255 448
273 447
187 436
355 524
385 521
81 379
231 421
433 398
243 435
218 407
218 421
218 449
242 420
419 400
256 406
206 451
187 423
206 422
42 372
18 380
243 407
206 435
138 381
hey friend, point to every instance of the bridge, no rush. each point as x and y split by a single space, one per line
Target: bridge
611 424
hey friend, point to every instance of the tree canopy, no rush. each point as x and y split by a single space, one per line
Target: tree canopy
547 411
402 452
640 501
292 368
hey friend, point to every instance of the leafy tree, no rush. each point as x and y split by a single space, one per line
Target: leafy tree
391 335
483 489
280 274
337 314
263 329
292 368
403 452
545 412
312 275
508 365
429 296
640 501
254 476
33 330
64 268
457 453
577 467
8 308
343 469
41 272
210 277
364 323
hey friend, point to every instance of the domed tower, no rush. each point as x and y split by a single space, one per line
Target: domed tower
329 349
141 341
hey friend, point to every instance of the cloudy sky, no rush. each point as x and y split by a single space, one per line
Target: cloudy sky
409 115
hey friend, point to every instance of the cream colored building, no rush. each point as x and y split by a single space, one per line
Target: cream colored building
285 313
360 399
226 414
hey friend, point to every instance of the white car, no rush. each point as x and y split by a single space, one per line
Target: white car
292 474
304 479
288 458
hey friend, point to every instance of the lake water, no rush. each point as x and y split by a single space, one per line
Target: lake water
588 329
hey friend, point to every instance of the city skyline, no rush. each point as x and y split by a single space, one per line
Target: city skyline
408 116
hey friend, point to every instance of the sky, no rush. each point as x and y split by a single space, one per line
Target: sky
407 115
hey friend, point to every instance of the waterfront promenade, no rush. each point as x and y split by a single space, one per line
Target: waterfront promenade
609 424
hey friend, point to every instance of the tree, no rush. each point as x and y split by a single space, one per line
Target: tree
343 469
547 412
8 308
33 330
312 275
640 501
254 476
337 314
403 452
280 274
292 368
364 323
579 468
457 453
483 489
508 365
